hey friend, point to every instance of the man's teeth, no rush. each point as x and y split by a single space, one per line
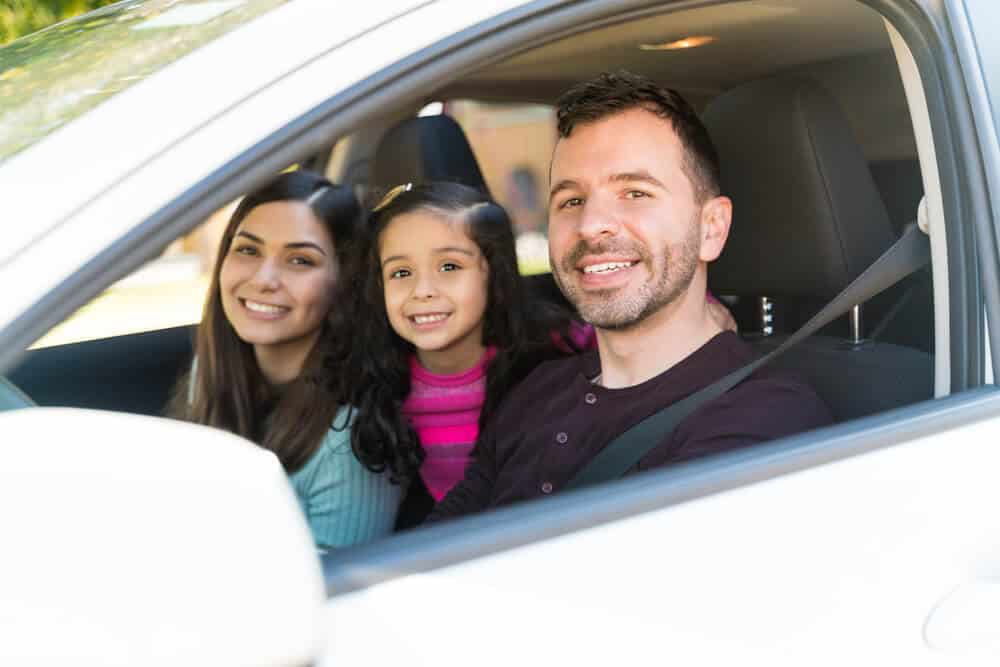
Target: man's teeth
606 267
258 307
427 319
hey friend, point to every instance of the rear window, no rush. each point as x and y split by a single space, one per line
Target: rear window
513 144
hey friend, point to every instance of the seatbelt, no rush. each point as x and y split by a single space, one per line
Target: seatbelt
908 254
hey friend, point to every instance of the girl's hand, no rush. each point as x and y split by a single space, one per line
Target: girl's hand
719 313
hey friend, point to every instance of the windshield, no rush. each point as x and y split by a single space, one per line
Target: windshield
49 78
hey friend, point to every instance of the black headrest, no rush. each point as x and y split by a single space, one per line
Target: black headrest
420 150
807 217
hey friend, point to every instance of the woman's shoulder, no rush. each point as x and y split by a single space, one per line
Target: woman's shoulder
334 458
337 439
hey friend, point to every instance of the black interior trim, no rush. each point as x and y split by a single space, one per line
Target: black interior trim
130 373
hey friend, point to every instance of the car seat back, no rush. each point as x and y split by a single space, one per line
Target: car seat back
807 220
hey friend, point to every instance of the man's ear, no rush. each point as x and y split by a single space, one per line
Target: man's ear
716 216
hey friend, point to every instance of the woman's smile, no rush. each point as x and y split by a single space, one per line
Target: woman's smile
261 310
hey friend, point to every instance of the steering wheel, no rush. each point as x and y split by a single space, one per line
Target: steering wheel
12 398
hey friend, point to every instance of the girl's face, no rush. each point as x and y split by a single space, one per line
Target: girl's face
436 281
277 277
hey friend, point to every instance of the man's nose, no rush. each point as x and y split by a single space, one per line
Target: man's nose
598 219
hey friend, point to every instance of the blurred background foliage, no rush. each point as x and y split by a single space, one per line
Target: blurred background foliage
22 17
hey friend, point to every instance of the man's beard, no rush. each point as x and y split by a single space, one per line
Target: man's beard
617 311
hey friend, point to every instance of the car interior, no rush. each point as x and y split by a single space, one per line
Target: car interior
807 108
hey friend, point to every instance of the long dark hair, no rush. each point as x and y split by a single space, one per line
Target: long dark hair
525 331
226 388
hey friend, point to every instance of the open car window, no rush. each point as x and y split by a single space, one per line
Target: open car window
830 509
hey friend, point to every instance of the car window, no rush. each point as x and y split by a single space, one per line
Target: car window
513 144
167 292
47 79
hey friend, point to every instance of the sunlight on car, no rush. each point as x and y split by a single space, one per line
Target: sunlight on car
167 292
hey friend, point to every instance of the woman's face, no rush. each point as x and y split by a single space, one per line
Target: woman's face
435 280
277 278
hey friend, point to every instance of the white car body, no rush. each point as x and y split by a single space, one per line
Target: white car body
873 542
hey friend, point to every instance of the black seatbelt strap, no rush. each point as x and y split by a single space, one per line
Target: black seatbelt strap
906 256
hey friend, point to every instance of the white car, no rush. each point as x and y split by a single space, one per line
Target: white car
132 539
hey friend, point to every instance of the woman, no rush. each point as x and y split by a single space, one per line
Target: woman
283 268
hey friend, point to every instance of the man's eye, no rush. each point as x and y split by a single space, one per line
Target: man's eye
636 194
399 273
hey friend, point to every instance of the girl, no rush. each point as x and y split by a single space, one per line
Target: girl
258 371
447 329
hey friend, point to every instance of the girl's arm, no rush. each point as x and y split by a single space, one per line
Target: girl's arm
475 491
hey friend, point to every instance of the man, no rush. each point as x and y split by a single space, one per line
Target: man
635 216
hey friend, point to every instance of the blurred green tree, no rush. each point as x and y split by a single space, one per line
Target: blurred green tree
21 17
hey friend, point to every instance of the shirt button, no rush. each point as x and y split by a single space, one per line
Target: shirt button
546 487
562 438
590 398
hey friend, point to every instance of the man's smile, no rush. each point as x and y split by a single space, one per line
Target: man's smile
607 267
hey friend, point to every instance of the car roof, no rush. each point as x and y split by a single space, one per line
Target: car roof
68 178
54 177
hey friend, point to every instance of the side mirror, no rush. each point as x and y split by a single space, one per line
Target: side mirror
133 540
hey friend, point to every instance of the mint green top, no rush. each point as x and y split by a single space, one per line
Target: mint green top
344 502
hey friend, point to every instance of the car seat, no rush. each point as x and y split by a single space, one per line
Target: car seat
807 220
425 149
434 148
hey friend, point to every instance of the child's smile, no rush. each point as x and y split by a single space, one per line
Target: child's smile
435 282
428 321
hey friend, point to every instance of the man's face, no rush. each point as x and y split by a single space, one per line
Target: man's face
624 223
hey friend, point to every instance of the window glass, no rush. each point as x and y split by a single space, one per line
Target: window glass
513 144
51 77
167 292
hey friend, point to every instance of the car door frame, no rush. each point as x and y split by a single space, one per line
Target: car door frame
972 53
500 36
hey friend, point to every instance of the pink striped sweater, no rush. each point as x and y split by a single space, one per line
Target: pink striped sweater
444 411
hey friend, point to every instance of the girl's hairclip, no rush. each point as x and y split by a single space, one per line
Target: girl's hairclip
314 197
391 195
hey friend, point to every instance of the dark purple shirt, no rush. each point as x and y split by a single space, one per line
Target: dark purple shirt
557 420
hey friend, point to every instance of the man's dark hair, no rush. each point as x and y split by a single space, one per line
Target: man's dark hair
612 93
